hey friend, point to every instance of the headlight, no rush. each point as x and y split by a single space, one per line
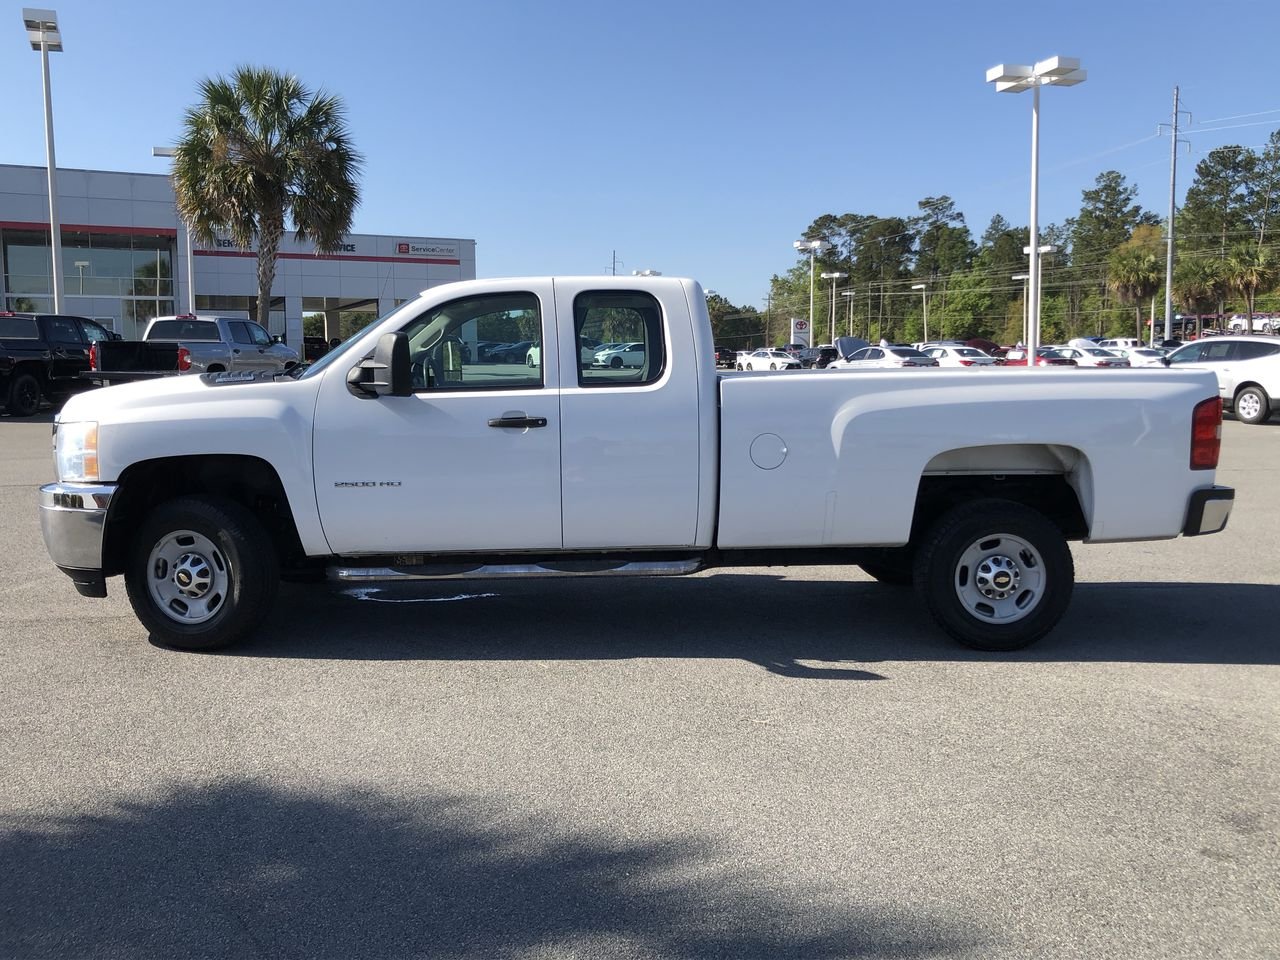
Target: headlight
75 452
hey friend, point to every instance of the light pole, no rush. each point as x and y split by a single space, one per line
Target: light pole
42 31
849 294
833 277
186 233
924 303
1015 78
1024 277
814 247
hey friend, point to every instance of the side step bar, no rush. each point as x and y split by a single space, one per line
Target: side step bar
509 571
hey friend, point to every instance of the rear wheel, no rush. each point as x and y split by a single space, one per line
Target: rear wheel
996 575
202 573
1252 405
24 395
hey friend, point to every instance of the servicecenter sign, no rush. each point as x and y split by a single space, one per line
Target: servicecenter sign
418 248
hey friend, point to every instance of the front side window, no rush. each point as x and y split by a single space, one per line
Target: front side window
240 332
486 342
628 325
257 335
94 332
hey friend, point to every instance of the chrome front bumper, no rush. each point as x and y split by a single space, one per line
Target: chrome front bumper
72 518
1208 510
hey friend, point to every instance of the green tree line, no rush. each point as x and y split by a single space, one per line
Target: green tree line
1105 276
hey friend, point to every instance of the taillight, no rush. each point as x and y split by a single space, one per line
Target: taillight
966 363
1206 434
184 359
93 357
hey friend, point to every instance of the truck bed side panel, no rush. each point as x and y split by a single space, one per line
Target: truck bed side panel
835 458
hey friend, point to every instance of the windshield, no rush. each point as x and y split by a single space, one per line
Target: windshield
359 342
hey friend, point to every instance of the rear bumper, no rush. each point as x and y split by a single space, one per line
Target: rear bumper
1208 510
73 517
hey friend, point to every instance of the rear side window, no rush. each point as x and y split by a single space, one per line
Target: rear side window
18 328
183 330
1251 350
628 324
63 330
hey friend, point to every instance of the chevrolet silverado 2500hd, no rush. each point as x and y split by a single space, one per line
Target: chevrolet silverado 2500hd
393 458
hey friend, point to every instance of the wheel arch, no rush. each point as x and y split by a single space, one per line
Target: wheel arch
1054 480
249 481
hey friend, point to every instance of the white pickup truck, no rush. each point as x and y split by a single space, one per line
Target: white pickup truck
393 459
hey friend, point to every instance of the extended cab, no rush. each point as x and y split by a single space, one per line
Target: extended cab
42 355
393 458
192 344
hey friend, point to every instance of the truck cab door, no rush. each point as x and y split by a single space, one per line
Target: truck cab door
634 434
470 461
69 352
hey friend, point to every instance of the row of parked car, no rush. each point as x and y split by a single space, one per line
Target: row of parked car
1247 366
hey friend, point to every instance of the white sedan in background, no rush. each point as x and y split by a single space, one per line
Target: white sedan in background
887 358
960 357
626 355
1142 356
1092 356
770 360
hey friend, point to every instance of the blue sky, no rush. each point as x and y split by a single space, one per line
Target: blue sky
694 138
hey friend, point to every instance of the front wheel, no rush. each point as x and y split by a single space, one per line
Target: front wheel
995 574
202 573
24 395
1252 405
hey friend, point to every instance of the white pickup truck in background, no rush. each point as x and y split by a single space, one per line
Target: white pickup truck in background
393 459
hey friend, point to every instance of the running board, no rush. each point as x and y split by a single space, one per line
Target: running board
511 571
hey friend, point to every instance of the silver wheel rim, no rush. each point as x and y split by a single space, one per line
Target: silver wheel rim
1000 578
1249 406
187 577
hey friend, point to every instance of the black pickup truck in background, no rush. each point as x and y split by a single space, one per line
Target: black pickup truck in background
42 356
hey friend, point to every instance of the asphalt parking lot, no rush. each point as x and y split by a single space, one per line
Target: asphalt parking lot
753 764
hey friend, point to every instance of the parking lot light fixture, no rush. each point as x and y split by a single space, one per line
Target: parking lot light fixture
814 247
924 303
45 37
833 277
1015 78
848 294
186 232
1024 277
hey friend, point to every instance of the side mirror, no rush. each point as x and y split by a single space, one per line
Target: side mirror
386 373
276 338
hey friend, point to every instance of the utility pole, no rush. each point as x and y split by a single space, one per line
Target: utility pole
1168 256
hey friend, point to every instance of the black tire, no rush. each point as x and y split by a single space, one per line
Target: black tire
996 575
616 363
201 538
24 395
1252 405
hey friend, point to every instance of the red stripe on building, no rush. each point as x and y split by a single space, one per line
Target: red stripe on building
92 228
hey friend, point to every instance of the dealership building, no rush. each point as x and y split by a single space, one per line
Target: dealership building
125 259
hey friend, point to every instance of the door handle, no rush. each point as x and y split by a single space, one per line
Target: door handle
518 422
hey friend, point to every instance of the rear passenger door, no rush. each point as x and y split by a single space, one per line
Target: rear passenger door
630 435
68 352
1215 355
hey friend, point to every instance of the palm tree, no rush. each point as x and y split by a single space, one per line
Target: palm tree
1250 268
1199 285
1134 274
259 148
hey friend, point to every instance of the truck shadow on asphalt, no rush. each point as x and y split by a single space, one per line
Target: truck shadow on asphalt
241 868
813 629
